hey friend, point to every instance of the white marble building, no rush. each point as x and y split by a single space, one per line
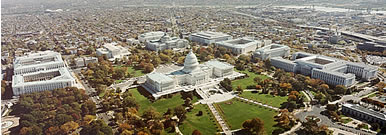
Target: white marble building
166 42
191 75
332 71
240 45
363 113
113 51
34 62
84 61
39 72
156 35
209 37
272 50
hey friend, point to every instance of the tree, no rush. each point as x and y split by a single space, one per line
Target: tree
256 126
130 102
239 89
181 60
180 112
196 132
96 127
148 68
227 84
340 89
69 126
151 114
380 86
331 107
257 79
119 73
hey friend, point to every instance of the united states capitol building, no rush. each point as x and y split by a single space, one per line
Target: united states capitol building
192 76
332 71
40 71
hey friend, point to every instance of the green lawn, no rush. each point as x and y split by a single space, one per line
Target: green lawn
118 81
344 119
161 105
268 99
237 112
373 95
135 72
248 80
132 71
206 123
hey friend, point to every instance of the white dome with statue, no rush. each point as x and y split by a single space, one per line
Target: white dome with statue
191 63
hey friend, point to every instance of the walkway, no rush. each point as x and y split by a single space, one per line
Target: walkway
258 103
222 123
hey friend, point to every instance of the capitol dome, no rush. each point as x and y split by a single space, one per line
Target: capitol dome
191 62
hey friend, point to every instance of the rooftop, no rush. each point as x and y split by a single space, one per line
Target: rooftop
210 34
365 110
159 78
37 59
218 64
42 77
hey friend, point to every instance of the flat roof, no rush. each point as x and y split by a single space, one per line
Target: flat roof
238 43
37 59
158 77
210 34
365 110
218 64
63 72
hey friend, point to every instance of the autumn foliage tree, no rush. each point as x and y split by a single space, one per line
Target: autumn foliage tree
255 126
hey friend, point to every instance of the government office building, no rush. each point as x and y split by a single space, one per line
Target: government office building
332 71
209 37
166 42
363 113
40 71
270 51
240 45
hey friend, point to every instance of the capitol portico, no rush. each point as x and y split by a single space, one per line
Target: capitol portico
193 76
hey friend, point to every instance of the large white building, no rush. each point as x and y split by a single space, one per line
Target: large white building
272 50
112 51
35 62
156 35
363 113
240 45
192 74
209 37
39 72
332 71
166 42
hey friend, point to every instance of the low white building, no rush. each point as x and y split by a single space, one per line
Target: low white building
332 71
209 37
240 45
156 35
272 50
113 51
166 42
40 71
84 61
